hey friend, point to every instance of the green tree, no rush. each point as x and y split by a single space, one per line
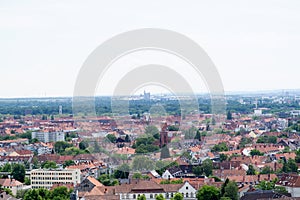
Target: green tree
49 165
220 147
223 157
255 152
290 166
142 197
27 181
231 190
208 192
152 131
197 170
83 145
137 175
222 191
198 135
18 172
122 171
251 170
68 163
61 146
267 170
111 137
207 167
178 196
142 163
127 139
160 197
32 195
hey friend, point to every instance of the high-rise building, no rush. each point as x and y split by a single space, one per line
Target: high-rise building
48 136
46 178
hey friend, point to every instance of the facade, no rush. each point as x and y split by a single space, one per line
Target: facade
48 136
151 189
42 178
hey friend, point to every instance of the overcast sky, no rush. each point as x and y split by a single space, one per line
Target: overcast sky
254 44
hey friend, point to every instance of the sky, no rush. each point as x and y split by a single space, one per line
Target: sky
254 44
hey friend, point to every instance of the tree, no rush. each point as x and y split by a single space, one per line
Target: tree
137 175
178 196
267 170
208 192
223 157
142 163
197 170
160 197
152 131
165 153
251 170
68 163
207 167
222 191
32 195
231 190
220 147
111 137
122 171
107 181
18 172
198 135
60 146
255 152
127 139
49 165
83 145
290 166
27 181
142 197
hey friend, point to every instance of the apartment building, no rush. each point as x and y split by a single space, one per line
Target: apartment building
48 136
46 178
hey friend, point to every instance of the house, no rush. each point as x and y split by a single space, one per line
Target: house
11 184
172 173
291 182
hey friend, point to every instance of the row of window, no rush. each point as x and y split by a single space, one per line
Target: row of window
48 182
52 173
51 178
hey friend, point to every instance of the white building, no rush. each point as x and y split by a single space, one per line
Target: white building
12 184
45 178
48 136
151 189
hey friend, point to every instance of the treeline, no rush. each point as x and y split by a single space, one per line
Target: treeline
103 106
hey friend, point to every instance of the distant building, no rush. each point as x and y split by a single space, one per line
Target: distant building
46 178
48 136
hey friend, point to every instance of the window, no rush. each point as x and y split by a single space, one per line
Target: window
151 196
187 195
134 196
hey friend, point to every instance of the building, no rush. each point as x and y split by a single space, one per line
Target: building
48 136
291 182
11 184
46 178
